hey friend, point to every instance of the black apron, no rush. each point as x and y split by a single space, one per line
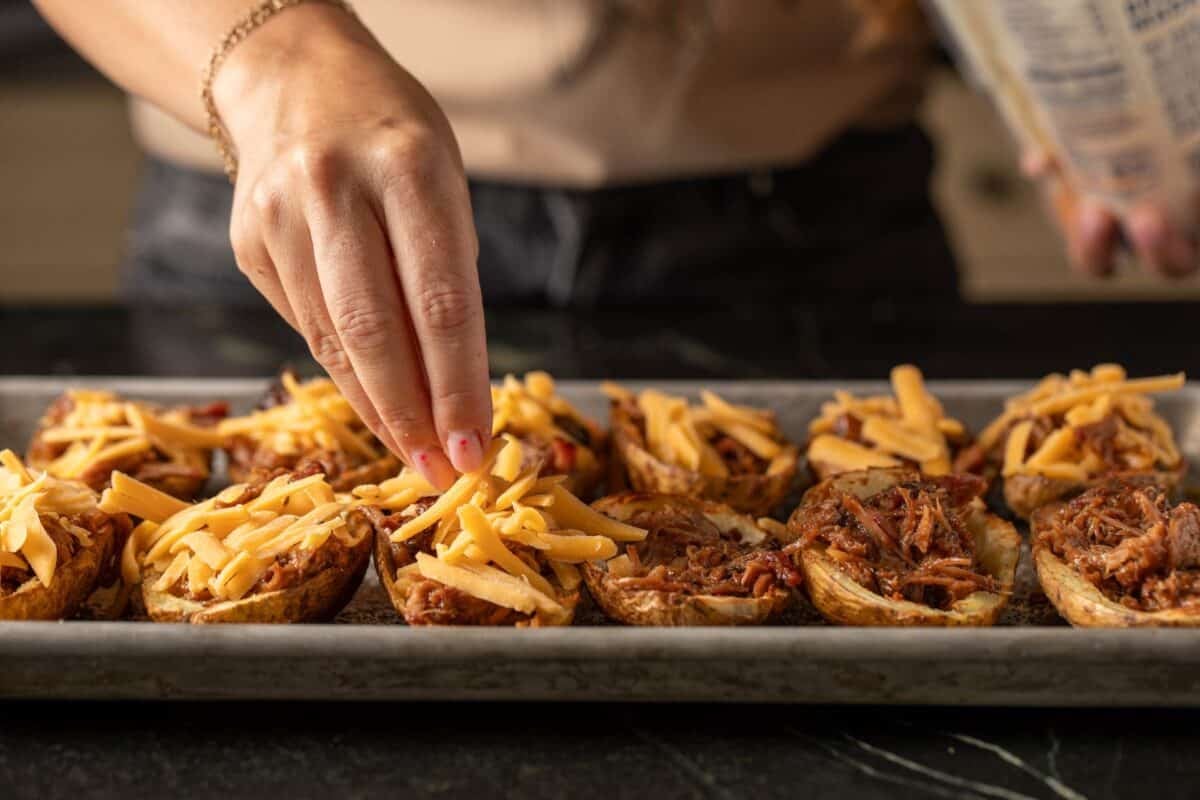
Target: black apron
854 223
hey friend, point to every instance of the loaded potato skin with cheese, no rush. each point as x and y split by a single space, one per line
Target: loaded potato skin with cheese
907 429
86 435
701 563
502 547
1072 432
284 549
717 451
54 542
305 427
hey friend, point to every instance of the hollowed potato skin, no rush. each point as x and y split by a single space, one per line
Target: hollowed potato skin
1081 603
646 607
843 601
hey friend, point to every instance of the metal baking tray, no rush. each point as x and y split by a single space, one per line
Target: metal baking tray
1031 659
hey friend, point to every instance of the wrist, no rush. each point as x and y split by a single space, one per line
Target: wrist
255 88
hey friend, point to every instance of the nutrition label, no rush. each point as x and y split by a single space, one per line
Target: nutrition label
1111 87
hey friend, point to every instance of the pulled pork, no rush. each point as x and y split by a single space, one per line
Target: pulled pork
1127 540
909 542
342 469
685 552
738 458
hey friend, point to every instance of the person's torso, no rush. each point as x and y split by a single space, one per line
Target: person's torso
593 92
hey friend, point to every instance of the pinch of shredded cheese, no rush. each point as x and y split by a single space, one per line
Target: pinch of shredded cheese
225 550
1075 401
25 496
101 428
679 433
316 416
910 424
483 513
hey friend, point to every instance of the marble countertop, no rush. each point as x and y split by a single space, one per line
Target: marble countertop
611 751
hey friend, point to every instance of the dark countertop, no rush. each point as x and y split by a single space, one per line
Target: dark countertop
988 341
536 750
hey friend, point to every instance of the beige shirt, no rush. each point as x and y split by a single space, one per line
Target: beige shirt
594 92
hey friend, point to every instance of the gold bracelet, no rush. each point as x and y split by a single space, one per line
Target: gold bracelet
236 35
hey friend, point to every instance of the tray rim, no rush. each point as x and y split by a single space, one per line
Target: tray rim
597 643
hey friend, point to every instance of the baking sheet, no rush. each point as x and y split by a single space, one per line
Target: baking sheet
1031 659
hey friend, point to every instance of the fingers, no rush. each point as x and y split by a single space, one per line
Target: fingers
290 243
372 330
1091 232
1093 237
428 217
254 261
1161 247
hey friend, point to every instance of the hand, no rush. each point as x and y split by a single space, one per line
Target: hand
351 215
1093 233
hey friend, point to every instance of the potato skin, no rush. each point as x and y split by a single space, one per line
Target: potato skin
1081 603
318 599
73 582
1025 494
647 607
842 600
751 494
385 568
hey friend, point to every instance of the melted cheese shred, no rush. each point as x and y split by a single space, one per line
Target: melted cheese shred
908 425
478 520
679 433
1143 438
102 428
25 496
316 416
223 547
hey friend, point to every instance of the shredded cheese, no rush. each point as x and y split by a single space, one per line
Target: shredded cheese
25 496
316 417
1068 404
533 408
101 429
910 425
224 550
500 536
682 434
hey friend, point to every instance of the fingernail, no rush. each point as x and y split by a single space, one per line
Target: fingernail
433 467
465 450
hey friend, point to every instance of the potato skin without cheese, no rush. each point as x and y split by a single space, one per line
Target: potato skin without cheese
842 600
659 607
